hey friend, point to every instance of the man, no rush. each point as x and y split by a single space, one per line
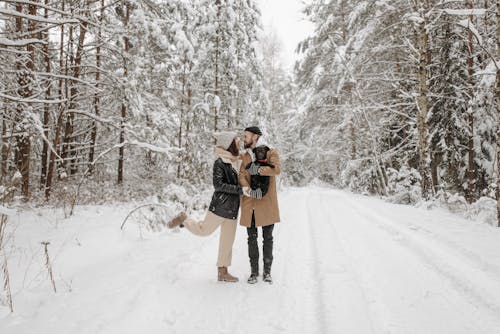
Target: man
258 210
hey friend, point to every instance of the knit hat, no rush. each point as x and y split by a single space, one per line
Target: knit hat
254 129
224 138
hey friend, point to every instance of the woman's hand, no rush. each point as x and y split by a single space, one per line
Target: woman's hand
246 191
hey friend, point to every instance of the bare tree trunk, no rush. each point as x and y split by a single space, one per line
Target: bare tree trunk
470 146
69 62
52 159
150 161
61 107
348 86
423 107
181 123
25 66
237 107
124 106
217 44
5 148
97 101
188 124
228 106
73 105
498 112
46 111
486 22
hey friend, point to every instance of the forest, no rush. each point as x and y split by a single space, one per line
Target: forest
105 100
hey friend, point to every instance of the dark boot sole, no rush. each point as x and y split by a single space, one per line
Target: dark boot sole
226 280
252 281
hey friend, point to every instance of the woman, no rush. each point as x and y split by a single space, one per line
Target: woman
223 210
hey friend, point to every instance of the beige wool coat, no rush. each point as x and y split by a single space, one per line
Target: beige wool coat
266 209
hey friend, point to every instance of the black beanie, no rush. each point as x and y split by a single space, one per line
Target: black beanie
254 129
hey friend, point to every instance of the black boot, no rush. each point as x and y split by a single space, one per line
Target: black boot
252 279
253 252
267 233
267 278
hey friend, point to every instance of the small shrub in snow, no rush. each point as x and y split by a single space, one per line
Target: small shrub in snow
191 198
452 202
403 185
456 203
319 183
357 179
484 209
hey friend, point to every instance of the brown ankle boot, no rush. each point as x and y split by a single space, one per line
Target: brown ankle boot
177 220
225 276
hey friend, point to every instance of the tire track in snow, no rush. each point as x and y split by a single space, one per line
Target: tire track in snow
449 263
299 275
440 237
316 273
457 296
344 300
196 285
332 297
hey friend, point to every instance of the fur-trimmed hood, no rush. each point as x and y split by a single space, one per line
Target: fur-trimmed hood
228 158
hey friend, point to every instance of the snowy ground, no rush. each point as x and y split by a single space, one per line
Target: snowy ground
343 264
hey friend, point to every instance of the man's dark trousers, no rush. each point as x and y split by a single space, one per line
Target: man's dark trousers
253 247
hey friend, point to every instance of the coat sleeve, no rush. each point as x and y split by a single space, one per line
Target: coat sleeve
219 182
273 159
243 176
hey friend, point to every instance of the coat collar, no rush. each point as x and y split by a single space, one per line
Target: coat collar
228 158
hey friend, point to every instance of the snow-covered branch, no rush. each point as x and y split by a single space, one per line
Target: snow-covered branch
13 13
20 42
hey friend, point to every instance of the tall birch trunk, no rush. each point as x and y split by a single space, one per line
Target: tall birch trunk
423 107
124 105
97 100
46 111
470 114
498 112
61 107
25 66
217 45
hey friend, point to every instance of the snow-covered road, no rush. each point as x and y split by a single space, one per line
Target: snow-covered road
343 264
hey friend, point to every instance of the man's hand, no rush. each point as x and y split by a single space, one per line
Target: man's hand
253 169
257 193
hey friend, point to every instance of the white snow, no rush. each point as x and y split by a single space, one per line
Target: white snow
466 12
6 211
344 263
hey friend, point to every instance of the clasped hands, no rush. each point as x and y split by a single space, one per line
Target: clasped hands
257 193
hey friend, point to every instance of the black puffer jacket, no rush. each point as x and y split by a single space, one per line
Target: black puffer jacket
226 198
